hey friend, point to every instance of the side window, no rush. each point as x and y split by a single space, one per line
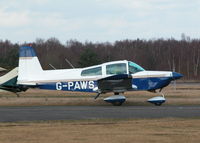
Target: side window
92 72
116 69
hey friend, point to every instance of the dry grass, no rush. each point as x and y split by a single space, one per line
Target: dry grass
187 94
103 131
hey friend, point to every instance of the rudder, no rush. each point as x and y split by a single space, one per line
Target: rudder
29 65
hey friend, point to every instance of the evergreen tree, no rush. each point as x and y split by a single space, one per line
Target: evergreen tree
88 58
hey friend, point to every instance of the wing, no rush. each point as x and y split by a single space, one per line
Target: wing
115 83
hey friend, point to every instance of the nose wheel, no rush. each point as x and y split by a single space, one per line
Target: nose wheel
158 100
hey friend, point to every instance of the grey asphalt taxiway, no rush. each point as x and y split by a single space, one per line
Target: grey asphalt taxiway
36 113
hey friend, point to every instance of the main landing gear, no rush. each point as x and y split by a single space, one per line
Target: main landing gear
117 99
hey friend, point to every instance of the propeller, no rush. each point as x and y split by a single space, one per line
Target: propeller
174 82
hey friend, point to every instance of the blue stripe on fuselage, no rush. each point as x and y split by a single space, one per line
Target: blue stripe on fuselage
152 83
82 86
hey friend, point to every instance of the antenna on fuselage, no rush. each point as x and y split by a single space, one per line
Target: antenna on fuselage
52 66
69 63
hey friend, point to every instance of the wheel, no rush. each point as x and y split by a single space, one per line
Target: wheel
158 104
117 103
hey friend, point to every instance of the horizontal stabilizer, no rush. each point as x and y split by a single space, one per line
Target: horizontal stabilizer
2 69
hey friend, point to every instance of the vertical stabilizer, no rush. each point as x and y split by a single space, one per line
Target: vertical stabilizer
29 65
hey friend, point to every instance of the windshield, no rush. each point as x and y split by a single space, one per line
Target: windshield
133 68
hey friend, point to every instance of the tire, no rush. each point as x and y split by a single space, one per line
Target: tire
158 104
117 103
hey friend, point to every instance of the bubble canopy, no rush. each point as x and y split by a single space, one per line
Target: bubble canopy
133 67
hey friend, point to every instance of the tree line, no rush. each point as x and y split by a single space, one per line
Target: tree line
182 56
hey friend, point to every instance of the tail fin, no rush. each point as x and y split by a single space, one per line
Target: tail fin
29 65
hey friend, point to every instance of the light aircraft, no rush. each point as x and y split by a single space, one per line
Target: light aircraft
117 77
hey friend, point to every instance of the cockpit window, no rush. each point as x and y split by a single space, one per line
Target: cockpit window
92 72
116 69
133 68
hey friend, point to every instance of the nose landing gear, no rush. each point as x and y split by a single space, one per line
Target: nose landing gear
158 100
